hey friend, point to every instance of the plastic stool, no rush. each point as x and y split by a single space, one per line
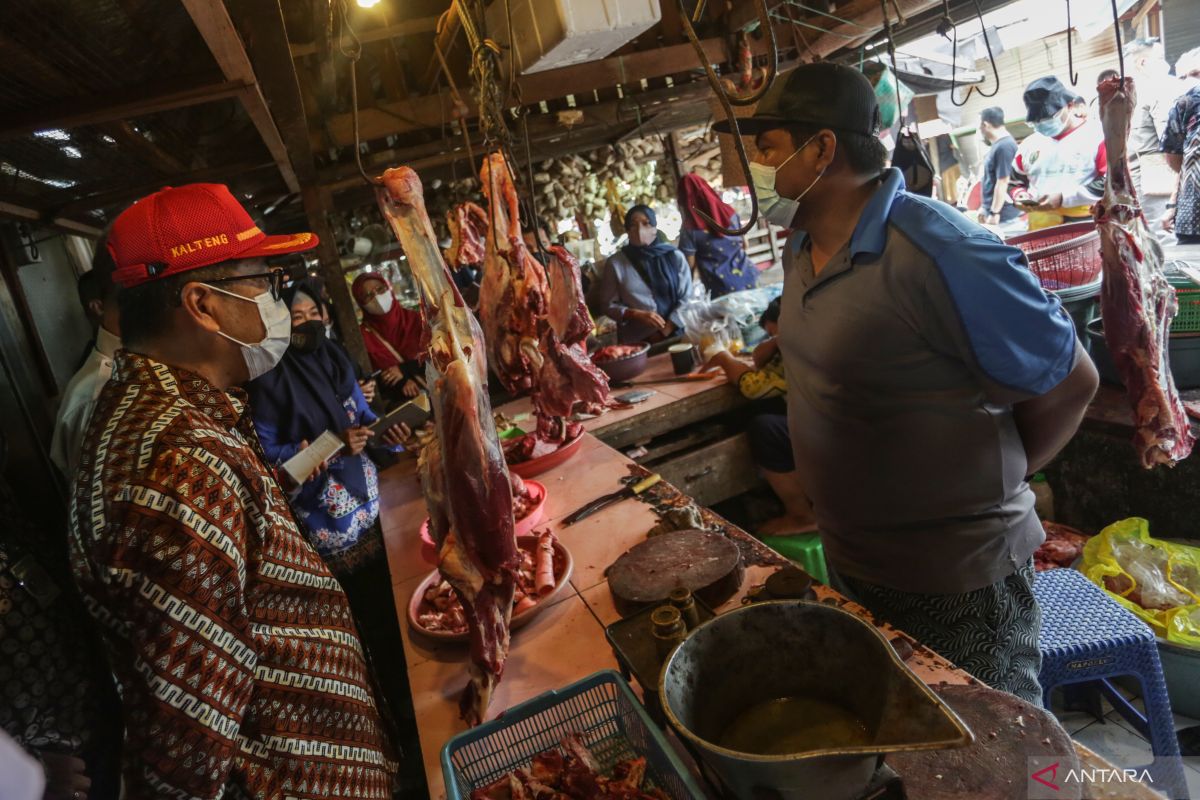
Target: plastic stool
803 548
1087 636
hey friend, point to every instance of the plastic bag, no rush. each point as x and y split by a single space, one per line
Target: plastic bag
1156 580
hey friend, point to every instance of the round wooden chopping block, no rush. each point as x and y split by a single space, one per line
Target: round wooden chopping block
1007 731
708 564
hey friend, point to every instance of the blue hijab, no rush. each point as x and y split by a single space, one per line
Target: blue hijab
657 264
304 395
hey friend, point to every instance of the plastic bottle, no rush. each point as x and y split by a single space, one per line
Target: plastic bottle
1043 502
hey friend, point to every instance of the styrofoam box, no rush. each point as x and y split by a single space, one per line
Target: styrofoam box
558 33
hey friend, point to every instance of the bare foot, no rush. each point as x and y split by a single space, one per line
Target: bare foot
787 525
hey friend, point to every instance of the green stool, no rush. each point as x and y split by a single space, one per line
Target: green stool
804 549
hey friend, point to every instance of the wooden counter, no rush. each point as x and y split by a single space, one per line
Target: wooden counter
566 641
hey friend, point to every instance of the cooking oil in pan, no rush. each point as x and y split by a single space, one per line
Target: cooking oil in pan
789 725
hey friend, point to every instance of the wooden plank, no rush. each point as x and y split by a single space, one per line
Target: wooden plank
671 417
215 26
408 27
713 473
431 111
70 203
263 24
128 105
22 211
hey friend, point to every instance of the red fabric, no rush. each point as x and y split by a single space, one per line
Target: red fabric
695 193
1102 159
401 328
179 229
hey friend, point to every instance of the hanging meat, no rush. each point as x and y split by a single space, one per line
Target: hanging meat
513 292
468 227
1137 302
568 377
463 472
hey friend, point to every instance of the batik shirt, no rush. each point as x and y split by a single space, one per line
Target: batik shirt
1182 138
239 665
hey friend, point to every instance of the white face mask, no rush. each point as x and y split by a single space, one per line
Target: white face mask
779 210
380 304
261 358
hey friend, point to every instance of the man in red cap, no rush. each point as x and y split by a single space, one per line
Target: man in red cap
239 664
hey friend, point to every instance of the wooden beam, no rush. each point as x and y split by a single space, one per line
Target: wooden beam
128 105
390 118
408 27
214 24
67 203
866 14
20 211
263 26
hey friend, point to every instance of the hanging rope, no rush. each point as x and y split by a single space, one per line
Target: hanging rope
891 49
727 104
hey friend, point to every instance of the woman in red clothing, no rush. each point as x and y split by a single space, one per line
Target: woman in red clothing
393 335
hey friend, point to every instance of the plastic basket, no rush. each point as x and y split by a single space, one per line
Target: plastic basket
601 708
1188 318
1063 256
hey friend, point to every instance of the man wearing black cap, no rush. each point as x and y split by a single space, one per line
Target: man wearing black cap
928 374
1063 163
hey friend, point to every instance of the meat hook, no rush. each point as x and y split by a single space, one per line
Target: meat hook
1071 73
727 104
353 53
1120 51
947 24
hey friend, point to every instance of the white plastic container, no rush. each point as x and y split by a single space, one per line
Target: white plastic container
558 33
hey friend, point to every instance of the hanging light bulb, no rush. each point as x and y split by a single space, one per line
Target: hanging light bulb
367 3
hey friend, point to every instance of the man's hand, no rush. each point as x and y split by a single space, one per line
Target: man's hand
391 376
1049 202
356 439
320 467
1168 220
991 219
66 777
396 434
368 390
411 389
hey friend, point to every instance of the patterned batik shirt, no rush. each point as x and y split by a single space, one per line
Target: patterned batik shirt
239 665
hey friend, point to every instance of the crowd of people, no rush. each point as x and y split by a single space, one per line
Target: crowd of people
1057 172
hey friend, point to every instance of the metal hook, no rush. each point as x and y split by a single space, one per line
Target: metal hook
727 104
948 30
988 44
1120 47
991 58
1071 73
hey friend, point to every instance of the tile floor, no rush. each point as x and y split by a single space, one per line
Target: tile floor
1115 739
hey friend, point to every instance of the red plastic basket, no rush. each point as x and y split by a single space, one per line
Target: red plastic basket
1063 256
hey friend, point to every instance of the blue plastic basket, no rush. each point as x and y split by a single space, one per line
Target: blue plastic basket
601 708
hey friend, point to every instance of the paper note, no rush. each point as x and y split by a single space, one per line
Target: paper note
302 465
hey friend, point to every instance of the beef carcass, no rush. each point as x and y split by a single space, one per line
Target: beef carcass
1137 302
468 227
513 296
568 315
463 472
568 376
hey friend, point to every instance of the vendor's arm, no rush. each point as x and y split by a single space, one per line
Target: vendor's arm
733 367
765 351
1049 421
984 307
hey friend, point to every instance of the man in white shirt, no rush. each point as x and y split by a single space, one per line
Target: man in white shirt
79 397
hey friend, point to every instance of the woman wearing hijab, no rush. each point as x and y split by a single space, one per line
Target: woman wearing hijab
644 283
314 390
720 260
392 334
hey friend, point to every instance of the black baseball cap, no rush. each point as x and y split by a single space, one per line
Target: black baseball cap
825 94
1044 98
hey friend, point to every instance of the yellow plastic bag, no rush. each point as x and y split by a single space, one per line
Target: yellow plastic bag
1159 581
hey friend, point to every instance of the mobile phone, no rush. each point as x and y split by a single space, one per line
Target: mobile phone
636 396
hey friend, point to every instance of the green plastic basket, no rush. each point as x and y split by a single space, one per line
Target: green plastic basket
1188 318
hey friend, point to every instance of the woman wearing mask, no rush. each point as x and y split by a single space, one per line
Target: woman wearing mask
311 391
392 335
645 282
719 260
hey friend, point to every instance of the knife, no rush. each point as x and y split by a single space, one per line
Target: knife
692 377
633 490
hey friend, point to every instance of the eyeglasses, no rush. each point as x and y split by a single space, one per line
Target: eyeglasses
276 278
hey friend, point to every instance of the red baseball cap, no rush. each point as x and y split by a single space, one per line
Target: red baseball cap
183 228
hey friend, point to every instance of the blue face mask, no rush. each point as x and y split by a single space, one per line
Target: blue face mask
1050 127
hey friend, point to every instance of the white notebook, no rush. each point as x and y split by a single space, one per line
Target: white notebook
302 465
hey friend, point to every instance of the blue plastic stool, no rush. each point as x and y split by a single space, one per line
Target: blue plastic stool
1087 636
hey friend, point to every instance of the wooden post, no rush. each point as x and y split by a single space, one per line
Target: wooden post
317 203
